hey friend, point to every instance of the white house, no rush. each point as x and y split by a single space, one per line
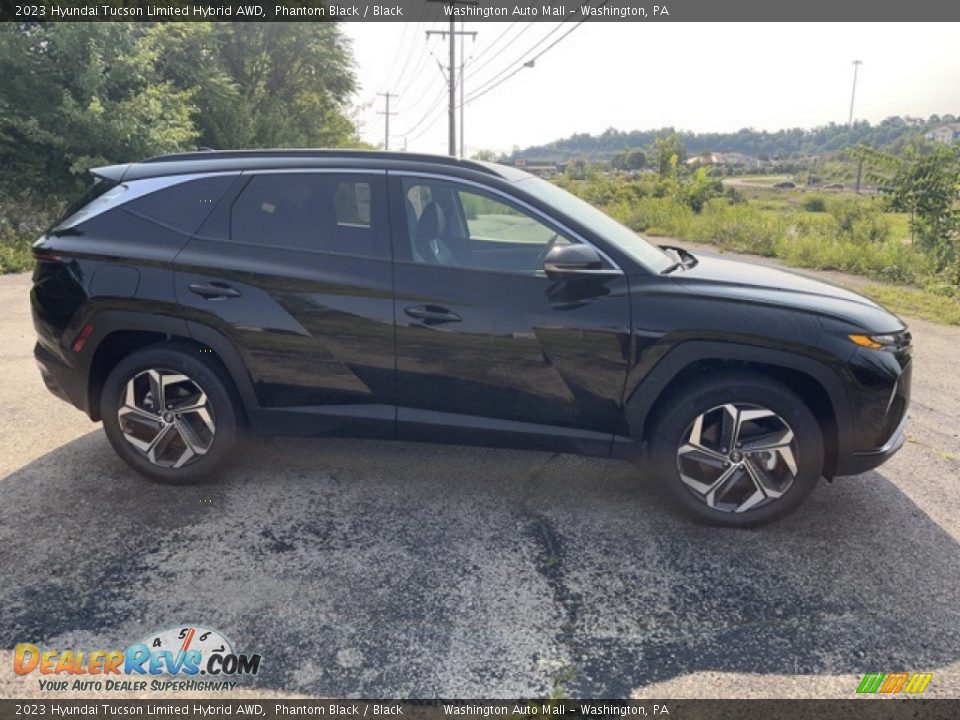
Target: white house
946 134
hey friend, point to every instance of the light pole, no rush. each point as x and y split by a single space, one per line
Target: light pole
853 93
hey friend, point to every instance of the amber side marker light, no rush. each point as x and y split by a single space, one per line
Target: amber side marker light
893 341
866 341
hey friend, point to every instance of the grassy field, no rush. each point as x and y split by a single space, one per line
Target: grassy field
809 228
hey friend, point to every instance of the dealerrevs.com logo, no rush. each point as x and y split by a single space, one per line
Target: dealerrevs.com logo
183 658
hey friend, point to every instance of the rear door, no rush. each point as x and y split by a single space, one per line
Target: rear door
295 269
490 349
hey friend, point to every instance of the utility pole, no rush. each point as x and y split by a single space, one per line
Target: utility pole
452 34
386 113
853 93
462 60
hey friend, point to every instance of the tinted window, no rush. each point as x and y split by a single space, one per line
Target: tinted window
322 212
460 226
99 187
182 207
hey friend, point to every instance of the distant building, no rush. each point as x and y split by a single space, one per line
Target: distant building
945 134
730 159
541 168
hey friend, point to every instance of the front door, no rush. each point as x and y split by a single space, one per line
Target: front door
489 348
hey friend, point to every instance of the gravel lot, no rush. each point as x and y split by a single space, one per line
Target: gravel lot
374 569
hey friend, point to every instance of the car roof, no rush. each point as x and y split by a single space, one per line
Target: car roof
239 160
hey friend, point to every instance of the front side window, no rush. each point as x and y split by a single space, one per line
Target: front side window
456 225
320 212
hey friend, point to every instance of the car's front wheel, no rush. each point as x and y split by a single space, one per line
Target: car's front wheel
737 450
169 415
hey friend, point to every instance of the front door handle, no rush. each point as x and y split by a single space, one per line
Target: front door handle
214 290
432 314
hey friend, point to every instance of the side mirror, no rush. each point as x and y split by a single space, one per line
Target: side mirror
572 259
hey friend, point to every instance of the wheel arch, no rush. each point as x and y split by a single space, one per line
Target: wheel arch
815 382
119 333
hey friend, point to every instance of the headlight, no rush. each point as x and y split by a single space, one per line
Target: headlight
887 341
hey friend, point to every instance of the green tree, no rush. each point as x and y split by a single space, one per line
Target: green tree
927 186
263 84
76 95
73 95
485 155
670 152
634 159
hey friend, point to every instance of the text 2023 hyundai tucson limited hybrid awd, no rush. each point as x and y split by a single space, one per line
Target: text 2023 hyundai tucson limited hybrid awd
190 298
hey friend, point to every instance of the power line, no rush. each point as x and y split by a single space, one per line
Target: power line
487 87
509 65
431 78
495 57
429 125
437 102
415 49
498 39
493 44
403 37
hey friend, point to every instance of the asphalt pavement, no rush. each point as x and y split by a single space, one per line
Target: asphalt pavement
375 569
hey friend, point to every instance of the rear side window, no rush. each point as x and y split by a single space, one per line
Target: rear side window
320 212
182 207
99 187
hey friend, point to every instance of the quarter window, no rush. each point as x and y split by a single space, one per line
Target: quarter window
182 207
319 212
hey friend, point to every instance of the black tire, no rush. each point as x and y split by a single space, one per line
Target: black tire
222 410
671 432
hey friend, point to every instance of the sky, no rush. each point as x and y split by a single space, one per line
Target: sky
633 76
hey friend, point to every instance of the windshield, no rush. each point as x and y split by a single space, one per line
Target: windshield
599 223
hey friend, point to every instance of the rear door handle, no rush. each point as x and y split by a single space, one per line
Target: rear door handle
214 290
432 314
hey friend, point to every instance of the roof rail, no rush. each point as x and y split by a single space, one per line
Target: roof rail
207 154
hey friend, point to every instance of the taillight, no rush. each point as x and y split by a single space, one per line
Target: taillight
81 338
44 255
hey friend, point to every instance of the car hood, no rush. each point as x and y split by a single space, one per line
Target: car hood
717 277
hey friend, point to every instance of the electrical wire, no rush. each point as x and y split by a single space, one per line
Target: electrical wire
490 84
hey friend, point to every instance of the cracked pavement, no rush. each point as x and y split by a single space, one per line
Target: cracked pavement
375 569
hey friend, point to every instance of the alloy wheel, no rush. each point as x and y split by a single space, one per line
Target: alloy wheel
738 457
167 417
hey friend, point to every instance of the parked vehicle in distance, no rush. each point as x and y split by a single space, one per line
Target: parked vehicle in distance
189 298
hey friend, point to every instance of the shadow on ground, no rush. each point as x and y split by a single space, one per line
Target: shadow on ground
375 569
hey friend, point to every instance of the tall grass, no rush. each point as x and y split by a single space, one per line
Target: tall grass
853 236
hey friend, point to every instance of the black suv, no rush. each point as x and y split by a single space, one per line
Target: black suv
192 297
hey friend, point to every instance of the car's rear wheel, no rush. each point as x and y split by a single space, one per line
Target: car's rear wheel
737 450
169 415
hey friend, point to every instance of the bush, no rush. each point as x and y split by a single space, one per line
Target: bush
815 203
22 220
859 221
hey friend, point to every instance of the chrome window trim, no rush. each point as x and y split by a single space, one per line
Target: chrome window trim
314 171
133 190
613 270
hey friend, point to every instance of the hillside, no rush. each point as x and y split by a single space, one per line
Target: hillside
890 133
